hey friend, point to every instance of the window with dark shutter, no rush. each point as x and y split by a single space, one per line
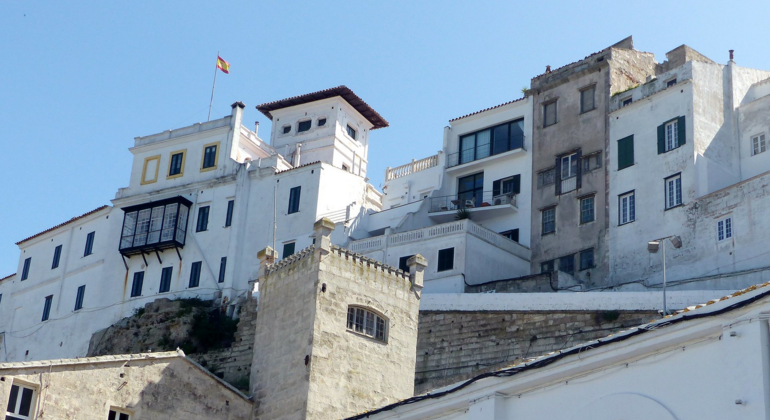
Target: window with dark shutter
25 270
294 195
229 217
203 219
446 259
47 307
165 279
625 152
288 249
304 126
587 259
56 257
671 135
138 283
195 274
222 268
567 264
89 244
176 164
79 298
402 263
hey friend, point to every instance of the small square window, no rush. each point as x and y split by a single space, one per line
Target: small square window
321 122
549 220
288 249
626 102
673 191
446 259
286 129
587 102
587 210
351 131
304 126
758 144
587 259
725 229
549 114
567 264
547 266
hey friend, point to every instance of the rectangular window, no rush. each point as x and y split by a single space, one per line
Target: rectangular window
470 190
567 264
294 199
546 266
587 99
229 217
79 297
165 279
304 126
150 170
545 177
203 219
670 83
402 263
136 286
321 122
549 221
569 166
587 259
222 269
673 191
625 152
288 249
25 270
21 403
152 225
210 155
626 208
446 259
176 164
117 415
56 257
89 244
671 135
549 114
587 210
351 131
47 307
195 274
758 144
626 102
286 129
512 234
725 229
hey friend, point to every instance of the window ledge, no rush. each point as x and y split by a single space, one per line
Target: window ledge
625 167
627 223
358 334
548 233
587 111
674 207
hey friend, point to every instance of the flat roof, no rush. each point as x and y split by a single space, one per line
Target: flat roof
354 100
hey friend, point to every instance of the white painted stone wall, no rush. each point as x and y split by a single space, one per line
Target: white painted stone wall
753 119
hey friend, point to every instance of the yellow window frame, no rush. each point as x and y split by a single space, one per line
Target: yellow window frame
181 171
216 156
147 160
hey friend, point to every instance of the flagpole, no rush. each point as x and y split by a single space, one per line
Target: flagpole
213 86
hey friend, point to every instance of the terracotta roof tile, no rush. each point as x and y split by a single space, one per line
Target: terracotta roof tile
487 109
354 100
7 277
63 224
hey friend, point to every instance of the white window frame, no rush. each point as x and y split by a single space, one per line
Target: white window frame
758 144
32 404
725 229
364 321
627 208
572 166
119 411
671 130
673 191
543 220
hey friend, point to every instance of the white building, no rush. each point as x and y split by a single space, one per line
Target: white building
709 362
684 151
199 205
485 169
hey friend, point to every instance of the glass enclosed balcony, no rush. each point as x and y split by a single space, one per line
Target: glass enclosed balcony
156 225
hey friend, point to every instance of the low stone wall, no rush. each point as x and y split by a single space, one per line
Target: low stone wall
536 283
454 346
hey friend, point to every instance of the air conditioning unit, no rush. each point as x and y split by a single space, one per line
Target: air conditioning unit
501 199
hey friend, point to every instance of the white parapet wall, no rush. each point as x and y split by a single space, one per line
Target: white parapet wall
584 301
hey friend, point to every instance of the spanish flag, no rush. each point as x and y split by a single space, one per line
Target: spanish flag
223 65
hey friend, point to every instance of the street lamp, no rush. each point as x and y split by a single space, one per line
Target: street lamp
652 248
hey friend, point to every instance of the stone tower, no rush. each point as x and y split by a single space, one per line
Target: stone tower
336 333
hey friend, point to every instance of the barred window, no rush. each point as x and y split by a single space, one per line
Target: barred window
368 323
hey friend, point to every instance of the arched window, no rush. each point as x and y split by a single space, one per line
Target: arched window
368 323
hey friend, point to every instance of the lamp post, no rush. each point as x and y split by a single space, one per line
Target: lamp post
652 248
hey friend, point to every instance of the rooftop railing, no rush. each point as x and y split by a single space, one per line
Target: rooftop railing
410 168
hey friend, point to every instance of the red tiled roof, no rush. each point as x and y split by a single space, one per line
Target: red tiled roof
297 167
62 224
356 102
487 109
7 277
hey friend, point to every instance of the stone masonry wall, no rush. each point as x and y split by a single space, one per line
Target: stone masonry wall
454 346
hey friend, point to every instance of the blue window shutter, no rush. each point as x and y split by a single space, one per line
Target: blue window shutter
662 138
681 131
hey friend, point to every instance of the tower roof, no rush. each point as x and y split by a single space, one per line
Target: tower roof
354 100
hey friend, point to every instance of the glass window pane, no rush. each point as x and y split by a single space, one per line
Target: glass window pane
26 401
169 219
467 146
501 140
482 143
156 221
182 223
517 134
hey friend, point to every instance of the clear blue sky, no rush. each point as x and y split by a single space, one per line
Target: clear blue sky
82 79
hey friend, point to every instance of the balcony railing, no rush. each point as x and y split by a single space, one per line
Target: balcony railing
410 168
568 184
478 153
468 200
154 226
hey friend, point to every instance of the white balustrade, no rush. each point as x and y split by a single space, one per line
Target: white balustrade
410 168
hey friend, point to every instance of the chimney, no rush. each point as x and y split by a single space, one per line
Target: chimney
547 69
323 229
731 54
256 128
416 266
234 136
